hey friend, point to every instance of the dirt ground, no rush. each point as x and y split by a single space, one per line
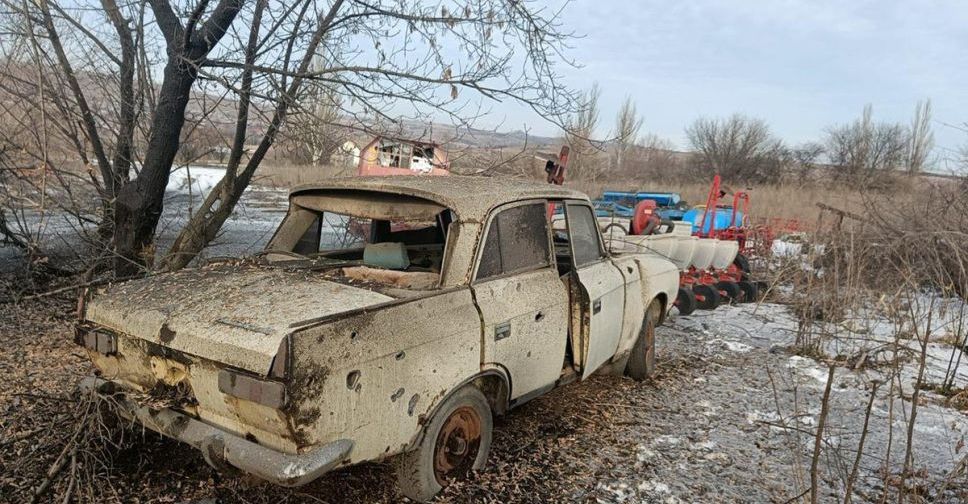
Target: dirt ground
708 429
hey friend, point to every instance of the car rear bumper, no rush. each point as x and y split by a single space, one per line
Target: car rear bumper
221 448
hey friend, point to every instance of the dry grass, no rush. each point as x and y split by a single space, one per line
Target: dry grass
785 201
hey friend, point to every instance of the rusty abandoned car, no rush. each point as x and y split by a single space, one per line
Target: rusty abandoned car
387 318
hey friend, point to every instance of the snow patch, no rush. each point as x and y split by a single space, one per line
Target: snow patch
732 346
666 441
757 416
196 180
783 248
807 367
645 454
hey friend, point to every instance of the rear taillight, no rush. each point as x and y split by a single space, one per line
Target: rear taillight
99 340
251 388
270 392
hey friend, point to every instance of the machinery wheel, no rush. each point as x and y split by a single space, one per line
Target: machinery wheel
686 301
743 263
710 297
750 291
733 293
641 365
616 225
761 288
456 441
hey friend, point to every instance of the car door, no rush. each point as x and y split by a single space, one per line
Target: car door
602 286
522 302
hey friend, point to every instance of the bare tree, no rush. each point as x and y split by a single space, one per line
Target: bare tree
653 157
803 161
863 148
316 123
627 126
63 44
963 153
580 131
316 126
920 138
739 148
383 57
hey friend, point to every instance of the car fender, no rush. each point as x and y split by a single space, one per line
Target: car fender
489 372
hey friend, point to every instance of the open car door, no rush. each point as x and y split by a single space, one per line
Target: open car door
601 287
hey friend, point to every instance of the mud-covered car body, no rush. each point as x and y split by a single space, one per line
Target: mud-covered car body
313 357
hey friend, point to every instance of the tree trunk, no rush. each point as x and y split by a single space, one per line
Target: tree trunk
138 206
220 203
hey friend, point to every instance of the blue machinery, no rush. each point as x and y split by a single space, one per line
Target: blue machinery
622 204
669 206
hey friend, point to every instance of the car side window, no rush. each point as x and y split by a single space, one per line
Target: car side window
582 228
517 240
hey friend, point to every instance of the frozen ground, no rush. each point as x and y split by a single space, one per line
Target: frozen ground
742 427
246 232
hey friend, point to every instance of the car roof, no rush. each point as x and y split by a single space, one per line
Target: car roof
471 197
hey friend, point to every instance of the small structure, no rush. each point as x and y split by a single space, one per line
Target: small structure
394 156
347 155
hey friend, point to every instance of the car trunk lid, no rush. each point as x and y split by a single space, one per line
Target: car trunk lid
234 313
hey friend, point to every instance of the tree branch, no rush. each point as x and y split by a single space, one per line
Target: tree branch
86 115
168 22
216 26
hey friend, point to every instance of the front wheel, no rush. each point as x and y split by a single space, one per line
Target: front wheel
455 442
641 365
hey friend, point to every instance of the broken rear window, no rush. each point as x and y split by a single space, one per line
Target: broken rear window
333 232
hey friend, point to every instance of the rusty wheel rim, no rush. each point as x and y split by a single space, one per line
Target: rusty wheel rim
457 445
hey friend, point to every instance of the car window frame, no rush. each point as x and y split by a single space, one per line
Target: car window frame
481 242
602 251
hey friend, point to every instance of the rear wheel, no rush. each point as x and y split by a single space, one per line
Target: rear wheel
707 298
686 301
733 293
750 292
641 365
456 441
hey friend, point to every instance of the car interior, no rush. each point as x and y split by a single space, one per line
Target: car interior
401 253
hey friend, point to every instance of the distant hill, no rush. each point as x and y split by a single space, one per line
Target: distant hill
472 137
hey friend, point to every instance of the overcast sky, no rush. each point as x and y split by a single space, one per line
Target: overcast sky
801 65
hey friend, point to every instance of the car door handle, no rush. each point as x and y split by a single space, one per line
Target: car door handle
502 331
596 306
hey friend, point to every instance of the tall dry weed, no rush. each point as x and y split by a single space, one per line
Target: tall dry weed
876 292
